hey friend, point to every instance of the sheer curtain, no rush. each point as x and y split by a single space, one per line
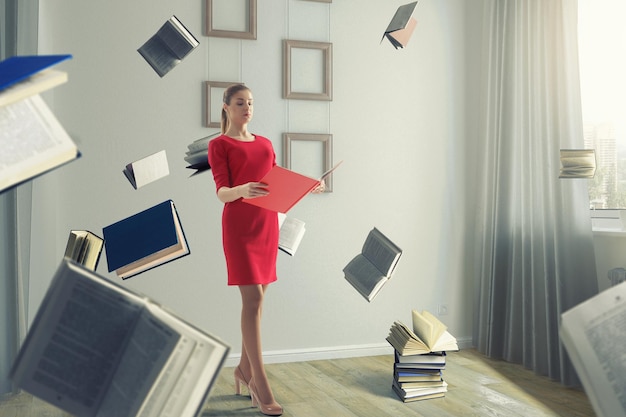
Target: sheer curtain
534 249
18 36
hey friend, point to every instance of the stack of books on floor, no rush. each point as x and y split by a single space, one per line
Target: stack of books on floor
420 357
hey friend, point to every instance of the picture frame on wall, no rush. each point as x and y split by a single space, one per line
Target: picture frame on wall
213 96
307 70
309 154
231 19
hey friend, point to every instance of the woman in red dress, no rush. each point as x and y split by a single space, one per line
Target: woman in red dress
238 159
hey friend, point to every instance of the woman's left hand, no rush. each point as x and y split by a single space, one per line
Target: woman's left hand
321 187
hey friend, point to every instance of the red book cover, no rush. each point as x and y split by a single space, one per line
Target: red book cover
286 188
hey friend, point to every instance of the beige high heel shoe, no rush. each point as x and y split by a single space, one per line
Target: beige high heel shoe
239 380
273 409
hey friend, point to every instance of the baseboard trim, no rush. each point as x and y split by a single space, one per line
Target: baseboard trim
335 352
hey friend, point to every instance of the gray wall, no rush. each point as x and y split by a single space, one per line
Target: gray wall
399 120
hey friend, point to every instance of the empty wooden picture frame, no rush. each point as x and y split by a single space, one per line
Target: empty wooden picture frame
303 159
231 19
214 95
307 70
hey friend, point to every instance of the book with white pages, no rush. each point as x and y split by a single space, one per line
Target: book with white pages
98 349
291 233
35 84
32 140
147 169
594 335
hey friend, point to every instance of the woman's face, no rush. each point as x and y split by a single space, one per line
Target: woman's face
240 108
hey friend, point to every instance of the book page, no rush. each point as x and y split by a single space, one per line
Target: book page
35 84
149 169
201 367
381 252
32 141
594 334
146 353
76 341
177 38
290 234
364 276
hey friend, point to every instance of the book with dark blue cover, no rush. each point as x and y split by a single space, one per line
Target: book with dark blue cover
145 240
18 68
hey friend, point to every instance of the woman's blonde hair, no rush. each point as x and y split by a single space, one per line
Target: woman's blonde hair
228 94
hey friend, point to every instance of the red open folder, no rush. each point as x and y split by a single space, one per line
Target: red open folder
286 188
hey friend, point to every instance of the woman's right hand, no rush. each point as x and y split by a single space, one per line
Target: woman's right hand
253 190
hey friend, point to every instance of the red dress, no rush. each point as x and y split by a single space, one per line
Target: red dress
249 233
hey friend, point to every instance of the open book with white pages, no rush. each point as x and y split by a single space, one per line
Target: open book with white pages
97 349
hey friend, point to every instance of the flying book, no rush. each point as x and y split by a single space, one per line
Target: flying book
577 163
593 335
96 348
84 248
32 140
16 69
197 155
291 233
145 240
370 270
428 335
286 188
168 46
401 27
147 169
35 84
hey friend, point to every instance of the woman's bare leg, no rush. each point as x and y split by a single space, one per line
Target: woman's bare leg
251 355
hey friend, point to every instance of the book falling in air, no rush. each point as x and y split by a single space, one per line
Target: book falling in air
594 335
145 240
286 188
24 76
577 163
428 335
147 169
168 46
96 348
291 232
84 248
197 155
401 27
32 140
370 270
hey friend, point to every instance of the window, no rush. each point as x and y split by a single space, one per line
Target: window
602 53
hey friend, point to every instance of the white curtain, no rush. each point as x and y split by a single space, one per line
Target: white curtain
534 248
18 36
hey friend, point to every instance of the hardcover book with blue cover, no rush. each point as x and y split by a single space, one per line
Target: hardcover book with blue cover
145 240
18 68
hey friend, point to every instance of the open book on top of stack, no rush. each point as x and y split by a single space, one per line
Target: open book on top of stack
420 357
428 335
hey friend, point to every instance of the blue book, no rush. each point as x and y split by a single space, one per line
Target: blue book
145 240
18 68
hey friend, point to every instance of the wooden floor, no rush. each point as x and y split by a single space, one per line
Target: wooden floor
361 387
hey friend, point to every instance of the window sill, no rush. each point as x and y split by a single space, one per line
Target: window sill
609 232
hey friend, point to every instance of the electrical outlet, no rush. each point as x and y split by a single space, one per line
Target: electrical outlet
442 309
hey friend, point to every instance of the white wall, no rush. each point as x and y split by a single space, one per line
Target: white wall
398 120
